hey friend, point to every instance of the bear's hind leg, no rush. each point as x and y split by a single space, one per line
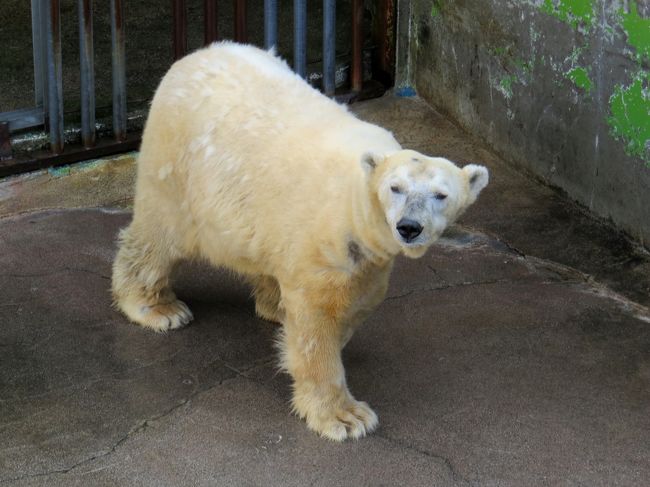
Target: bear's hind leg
266 292
141 287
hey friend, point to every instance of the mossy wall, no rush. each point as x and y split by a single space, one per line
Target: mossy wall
561 87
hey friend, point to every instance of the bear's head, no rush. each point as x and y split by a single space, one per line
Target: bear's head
420 195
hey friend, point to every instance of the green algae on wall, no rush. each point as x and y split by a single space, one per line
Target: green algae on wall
505 86
573 12
580 78
637 30
630 116
629 106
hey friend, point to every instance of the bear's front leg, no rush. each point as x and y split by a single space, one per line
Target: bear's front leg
311 353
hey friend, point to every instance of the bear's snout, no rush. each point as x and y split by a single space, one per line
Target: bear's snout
409 229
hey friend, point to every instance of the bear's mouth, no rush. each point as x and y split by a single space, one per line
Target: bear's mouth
411 242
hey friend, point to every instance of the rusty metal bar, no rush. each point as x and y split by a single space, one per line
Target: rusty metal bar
357 46
209 21
270 23
241 34
54 75
5 141
300 37
41 160
119 69
329 46
86 58
179 28
384 38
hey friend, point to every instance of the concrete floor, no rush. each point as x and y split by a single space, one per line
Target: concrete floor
516 352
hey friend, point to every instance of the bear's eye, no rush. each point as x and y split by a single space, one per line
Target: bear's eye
440 196
396 189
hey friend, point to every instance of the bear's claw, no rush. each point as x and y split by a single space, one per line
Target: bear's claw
352 421
160 317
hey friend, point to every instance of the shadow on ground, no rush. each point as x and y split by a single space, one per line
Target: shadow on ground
516 352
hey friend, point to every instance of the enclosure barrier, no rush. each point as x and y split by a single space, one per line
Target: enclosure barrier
48 89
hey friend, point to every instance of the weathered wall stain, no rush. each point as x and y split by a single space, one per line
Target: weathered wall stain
560 86
629 116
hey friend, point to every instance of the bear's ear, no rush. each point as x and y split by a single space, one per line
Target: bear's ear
370 160
478 178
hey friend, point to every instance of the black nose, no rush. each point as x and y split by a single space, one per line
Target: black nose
409 229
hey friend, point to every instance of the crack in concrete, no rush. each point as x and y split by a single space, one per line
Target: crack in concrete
447 286
457 477
141 427
237 373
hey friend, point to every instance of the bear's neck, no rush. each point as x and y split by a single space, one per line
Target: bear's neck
370 228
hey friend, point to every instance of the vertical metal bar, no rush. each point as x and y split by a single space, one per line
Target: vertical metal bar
209 21
37 49
44 21
86 58
179 28
270 23
384 37
54 75
329 46
119 69
241 34
357 45
405 49
300 37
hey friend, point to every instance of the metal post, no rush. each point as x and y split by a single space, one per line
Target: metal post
241 35
405 50
179 28
384 38
357 45
270 23
329 46
300 37
39 49
86 57
209 21
119 69
54 75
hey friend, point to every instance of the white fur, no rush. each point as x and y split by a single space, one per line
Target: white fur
245 165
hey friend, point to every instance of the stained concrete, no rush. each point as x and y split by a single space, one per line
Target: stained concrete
493 360
555 86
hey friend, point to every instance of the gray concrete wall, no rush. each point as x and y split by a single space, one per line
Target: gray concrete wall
558 86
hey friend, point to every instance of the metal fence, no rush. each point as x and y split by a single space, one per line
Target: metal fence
47 113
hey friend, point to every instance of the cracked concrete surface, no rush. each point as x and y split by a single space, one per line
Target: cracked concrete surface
516 352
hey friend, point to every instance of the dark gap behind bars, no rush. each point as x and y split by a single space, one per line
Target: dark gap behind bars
79 74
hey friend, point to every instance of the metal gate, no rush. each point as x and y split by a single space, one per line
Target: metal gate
82 140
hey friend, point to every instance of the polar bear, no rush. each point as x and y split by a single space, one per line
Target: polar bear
245 165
